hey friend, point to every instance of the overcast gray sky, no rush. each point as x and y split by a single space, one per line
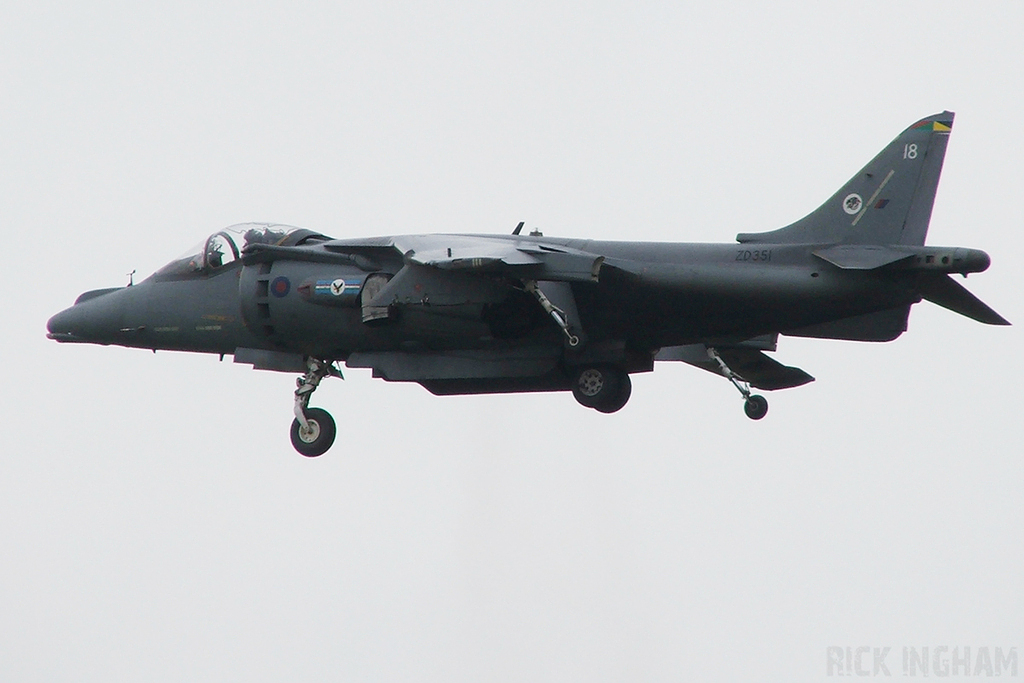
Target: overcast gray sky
157 525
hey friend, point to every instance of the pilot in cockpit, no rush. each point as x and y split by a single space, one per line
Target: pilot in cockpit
214 256
223 248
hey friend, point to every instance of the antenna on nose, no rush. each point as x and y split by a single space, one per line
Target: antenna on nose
131 278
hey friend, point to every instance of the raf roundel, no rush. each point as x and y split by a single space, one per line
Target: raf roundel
280 287
852 203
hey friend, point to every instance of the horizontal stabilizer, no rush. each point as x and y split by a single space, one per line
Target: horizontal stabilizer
752 365
861 256
948 293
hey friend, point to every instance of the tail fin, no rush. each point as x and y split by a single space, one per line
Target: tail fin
888 202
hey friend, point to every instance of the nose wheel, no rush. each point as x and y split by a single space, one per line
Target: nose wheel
313 429
317 436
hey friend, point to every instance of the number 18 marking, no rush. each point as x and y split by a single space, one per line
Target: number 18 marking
910 151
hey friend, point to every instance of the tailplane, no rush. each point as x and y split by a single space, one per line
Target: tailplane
948 293
888 202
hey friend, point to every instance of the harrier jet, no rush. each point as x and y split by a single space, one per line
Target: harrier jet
477 314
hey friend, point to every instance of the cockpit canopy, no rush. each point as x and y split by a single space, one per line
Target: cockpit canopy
226 246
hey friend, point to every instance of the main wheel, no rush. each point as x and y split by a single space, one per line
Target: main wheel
597 385
756 407
320 435
615 403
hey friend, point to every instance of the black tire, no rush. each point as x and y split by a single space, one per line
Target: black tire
614 404
596 385
321 436
756 407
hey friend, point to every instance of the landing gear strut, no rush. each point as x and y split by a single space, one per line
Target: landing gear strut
557 314
754 406
313 429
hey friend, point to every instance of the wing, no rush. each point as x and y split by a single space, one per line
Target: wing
521 258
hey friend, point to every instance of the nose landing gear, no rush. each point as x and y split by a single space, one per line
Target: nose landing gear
313 429
317 436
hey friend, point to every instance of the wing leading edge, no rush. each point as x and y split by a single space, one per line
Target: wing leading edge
469 253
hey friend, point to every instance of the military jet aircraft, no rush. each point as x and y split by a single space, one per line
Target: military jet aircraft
474 314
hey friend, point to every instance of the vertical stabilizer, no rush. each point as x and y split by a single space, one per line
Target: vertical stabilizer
888 202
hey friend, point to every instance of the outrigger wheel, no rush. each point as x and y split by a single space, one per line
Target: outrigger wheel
602 387
755 407
317 436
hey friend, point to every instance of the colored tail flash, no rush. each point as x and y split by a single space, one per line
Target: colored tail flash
888 202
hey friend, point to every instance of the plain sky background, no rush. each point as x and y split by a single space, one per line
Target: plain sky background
155 523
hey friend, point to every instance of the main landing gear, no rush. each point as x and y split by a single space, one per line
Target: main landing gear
754 406
605 388
313 429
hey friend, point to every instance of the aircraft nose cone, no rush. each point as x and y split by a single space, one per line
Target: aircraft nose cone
75 324
96 320
60 324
